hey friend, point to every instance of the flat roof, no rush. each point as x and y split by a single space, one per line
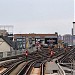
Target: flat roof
35 35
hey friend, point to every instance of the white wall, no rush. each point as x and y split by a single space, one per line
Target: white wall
4 46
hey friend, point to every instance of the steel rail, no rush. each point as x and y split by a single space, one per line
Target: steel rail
66 55
8 71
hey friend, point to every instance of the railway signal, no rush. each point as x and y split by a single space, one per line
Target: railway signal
26 54
52 53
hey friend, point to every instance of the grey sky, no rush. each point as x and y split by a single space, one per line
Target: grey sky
38 16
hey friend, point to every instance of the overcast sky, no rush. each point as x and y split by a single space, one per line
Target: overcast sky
38 16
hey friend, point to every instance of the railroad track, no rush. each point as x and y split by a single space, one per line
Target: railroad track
11 68
67 59
14 66
5 65
68 56
33 57
31 67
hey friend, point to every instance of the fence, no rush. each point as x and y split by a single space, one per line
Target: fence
10 53
15 52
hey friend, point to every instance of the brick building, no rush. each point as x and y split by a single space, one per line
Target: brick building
26 40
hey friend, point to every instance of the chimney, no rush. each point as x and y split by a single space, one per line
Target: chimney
73 28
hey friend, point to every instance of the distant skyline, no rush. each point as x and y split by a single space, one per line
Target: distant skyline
38 16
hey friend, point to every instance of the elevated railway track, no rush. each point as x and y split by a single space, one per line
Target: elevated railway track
68 57
26 66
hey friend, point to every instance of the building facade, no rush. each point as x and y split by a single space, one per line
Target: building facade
26 40
67 39
60 38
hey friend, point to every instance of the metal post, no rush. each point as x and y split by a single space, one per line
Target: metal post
71 69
